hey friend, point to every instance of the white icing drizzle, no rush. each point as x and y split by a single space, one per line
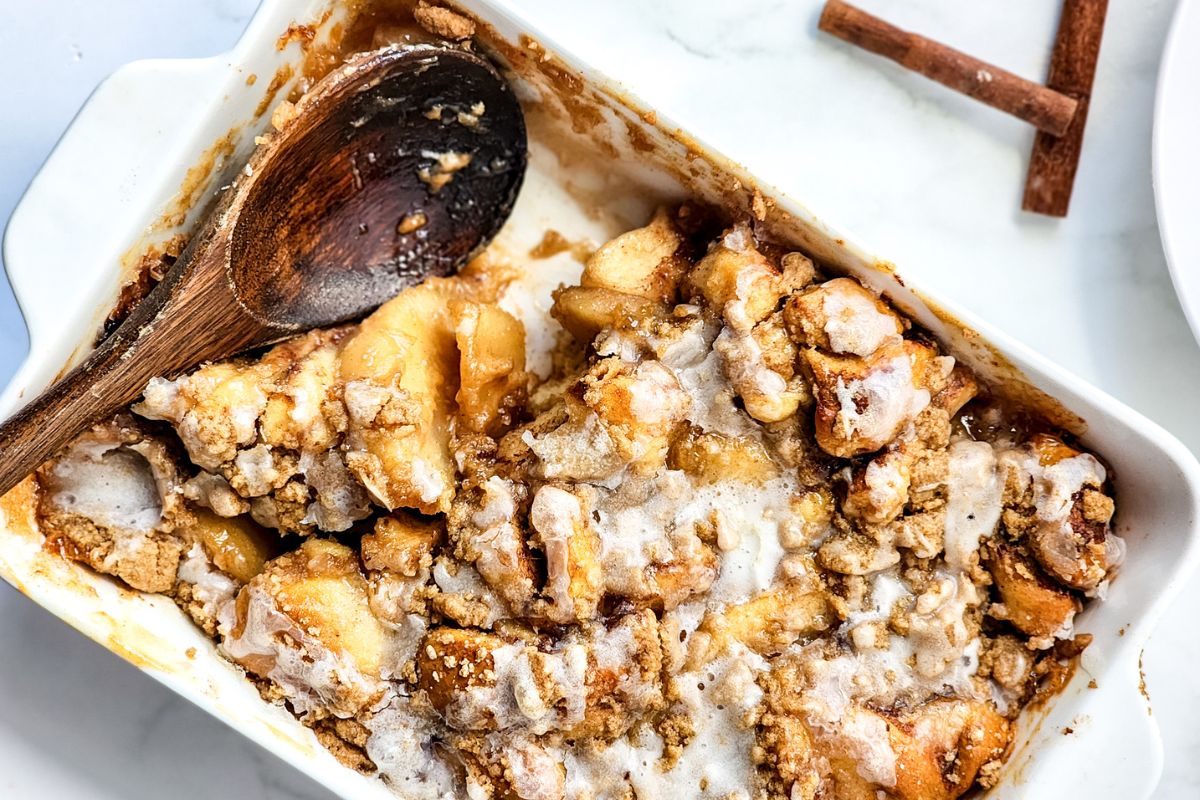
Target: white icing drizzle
111 485
937 629
428 482
698 368
973 500
854 323
720 699
887 484
748 519
311 675
610 342
498 506
755 513
583 453
887 396
656 395
1054 486
467 582
214 590
534 691
865 738
257 467
402 745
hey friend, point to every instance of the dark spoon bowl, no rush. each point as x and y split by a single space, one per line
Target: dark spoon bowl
397 166
349 213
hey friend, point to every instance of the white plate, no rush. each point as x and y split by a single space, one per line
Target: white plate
1177 157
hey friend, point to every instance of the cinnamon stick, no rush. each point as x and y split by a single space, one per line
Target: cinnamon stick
1044 108
1055 159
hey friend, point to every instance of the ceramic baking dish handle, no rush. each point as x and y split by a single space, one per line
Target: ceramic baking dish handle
123 135
121 154
128 155
125 157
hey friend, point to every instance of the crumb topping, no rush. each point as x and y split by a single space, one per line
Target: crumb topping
735 533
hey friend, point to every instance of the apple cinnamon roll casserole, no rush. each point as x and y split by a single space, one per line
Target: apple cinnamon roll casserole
750 534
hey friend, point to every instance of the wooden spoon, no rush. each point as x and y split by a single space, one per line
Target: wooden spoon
397 166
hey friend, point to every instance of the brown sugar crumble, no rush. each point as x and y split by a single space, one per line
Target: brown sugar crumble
443 22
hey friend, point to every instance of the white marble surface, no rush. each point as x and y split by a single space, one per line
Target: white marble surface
924 177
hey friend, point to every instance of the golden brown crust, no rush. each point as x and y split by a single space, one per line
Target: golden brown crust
941 746
401 543
450 662
443 22
1030 601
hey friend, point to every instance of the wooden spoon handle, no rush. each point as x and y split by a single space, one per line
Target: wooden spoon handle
152 342
91 391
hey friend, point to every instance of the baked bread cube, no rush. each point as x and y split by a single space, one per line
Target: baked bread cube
841 316
401 375
585 311
1031 602
878 492
402 543
492 379
767 624
710 457
735 271
238 546
641 262
306 624
571 548
640 407
942 745
864 403
452 662
1061 509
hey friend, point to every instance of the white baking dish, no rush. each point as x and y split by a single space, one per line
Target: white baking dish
124 159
